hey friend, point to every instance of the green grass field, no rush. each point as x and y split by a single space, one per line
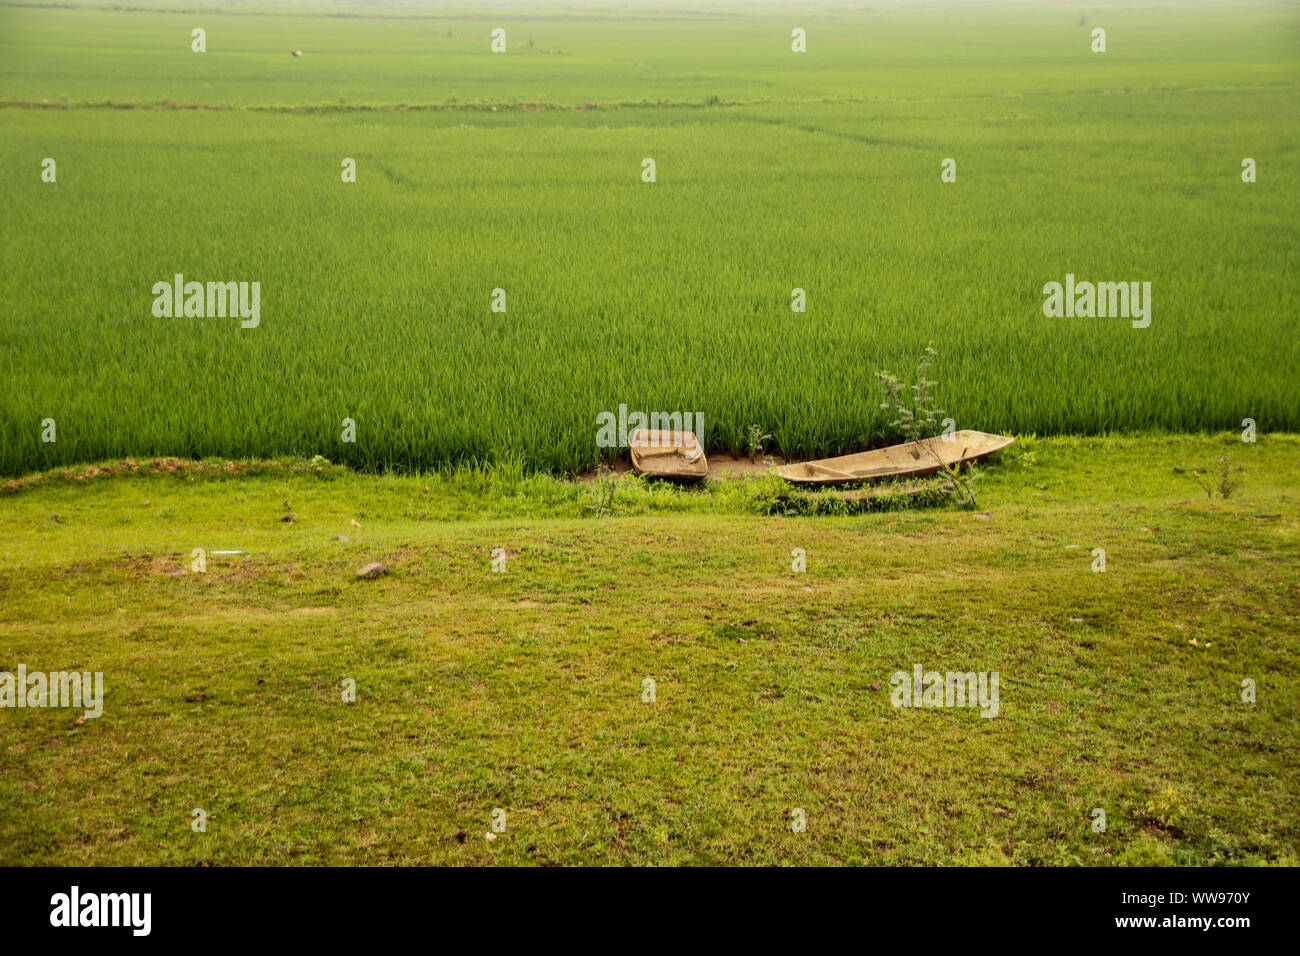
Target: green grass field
522 690
775 171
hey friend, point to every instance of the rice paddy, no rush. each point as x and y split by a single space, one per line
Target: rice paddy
515 179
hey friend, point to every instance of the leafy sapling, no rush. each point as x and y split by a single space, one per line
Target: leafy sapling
754 442
917 419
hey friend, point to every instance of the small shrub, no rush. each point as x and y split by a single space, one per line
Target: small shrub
1224 478
916 418
603 492
754 442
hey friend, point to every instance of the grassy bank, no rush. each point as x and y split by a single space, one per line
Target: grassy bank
522 690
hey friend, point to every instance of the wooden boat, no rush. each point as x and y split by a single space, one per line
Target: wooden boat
897 461
667 454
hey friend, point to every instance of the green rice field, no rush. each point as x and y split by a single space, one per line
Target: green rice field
522 171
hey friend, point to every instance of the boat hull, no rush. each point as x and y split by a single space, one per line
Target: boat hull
675 455
898 461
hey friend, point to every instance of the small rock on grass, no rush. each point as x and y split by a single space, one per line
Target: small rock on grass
373 570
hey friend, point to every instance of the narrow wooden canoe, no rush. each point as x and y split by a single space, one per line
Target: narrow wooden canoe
667 454
897 461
